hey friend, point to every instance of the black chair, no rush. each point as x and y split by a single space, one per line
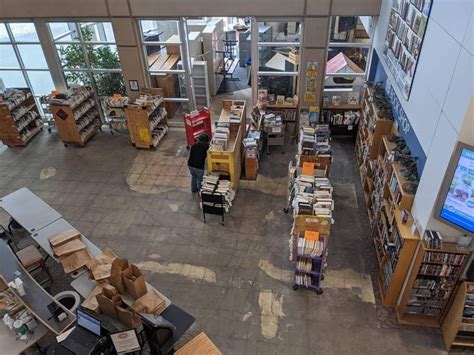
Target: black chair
212 203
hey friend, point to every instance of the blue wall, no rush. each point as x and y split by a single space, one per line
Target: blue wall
378 74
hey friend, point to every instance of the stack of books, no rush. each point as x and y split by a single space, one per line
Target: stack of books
211 184
272 123
220 137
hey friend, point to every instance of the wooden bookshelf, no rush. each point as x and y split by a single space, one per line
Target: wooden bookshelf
147 125
230 159
458 330
419 303
77 122
19 122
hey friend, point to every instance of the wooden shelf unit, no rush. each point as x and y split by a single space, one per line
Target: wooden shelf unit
19 129
139 121
457 329
71 125
230 160
425 302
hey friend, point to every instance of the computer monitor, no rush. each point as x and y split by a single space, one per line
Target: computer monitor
455 204
85 320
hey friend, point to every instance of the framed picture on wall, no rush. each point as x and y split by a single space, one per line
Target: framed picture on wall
404 39
134 85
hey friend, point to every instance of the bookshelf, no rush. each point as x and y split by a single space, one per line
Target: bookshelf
76 115
20 120
224 154
195 123
147 119
430 284
343 119
458 326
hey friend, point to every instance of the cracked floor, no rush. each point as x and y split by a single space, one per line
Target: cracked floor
235 278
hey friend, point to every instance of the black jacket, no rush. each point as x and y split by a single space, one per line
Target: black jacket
197 155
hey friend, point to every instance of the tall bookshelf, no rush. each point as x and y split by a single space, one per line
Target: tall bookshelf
343 119
20 120
432 280
458 326
147 124
77 116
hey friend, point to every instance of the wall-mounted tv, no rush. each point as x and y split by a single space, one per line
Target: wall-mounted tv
455 204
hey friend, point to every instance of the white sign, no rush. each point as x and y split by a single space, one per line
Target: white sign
125 342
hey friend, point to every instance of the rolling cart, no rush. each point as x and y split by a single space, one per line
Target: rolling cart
212 203
310 279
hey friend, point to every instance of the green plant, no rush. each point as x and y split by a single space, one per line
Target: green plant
100 57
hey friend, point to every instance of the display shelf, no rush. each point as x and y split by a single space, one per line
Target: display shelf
148 123
228 160
425 297
77 116
196 123
20 119
342 107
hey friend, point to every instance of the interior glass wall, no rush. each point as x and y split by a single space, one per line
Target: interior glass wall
348 59
88 55
278 56
162 48
22 61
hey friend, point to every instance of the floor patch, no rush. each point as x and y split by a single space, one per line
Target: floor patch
274 272
47 173
271 310
189 271
345 194
246 316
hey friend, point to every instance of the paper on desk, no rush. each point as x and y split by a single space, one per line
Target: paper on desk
63 336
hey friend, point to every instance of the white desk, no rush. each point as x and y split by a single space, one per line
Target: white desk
61 225
9 344
31 212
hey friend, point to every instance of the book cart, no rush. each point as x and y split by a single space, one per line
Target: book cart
343 119
227 158
436 269
308 251
195 123
76 115
20 120
458 326
147 119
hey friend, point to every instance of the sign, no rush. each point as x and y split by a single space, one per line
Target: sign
126 341
62 114
133 85
405 33
144 136
311 81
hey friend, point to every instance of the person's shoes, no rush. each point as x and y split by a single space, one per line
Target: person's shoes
194 191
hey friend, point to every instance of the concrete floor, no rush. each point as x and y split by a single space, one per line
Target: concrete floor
235 278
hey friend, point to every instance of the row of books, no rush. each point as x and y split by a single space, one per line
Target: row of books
220 136
212 184
432 239
444 258
439 270
304 280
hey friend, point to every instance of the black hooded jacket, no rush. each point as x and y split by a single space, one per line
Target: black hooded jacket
197 155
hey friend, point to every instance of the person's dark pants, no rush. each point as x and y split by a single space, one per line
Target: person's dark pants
196 178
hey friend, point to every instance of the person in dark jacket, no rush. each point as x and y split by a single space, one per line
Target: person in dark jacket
197 161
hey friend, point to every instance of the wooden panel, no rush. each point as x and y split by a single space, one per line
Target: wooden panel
199 345
67 127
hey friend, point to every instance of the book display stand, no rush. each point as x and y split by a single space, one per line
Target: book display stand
20 120
195 123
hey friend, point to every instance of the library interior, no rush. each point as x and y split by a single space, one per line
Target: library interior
257 177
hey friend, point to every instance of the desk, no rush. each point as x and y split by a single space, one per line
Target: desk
31 212
12 346
36 298
61 225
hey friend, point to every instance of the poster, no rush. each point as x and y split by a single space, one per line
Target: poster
125 342
458 208
311 81
405 32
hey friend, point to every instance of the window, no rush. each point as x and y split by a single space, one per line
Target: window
348 58
88 55
22 61
162 48
278 56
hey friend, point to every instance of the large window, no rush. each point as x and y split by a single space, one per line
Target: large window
22 62
278 56
348 59
88 55
162 47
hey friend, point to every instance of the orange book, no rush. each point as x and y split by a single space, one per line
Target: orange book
308 169
310 235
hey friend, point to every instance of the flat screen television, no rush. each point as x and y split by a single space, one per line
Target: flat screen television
455 205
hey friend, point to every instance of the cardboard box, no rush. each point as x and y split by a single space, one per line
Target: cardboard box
109 291
69 247
75 260
134 281
150 302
